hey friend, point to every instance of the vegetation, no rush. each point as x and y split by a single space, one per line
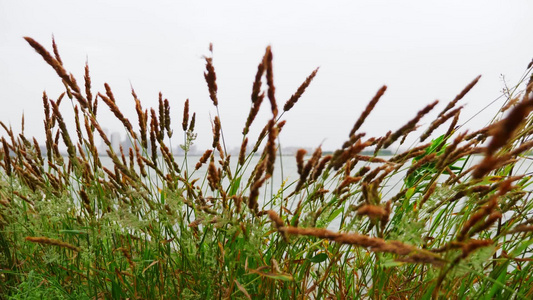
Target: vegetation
150 227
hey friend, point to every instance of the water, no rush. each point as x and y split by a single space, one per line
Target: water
286 171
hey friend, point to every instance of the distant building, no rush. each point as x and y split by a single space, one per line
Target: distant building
126 145
115 140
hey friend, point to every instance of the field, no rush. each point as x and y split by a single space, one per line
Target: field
153 226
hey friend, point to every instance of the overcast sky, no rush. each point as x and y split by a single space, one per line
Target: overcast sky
422 50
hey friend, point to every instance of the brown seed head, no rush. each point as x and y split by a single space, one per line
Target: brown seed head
381 141
270 82
58 67
385 218
153 138
320 166
373 211
95 124
275 218
372 243
260 138
167 118
64 132
56 52
211 78
253 113
491 219
193 121
254 193
474 245
185 115
88 92
212 175
521 228
140 161
477 216
110 101
203 159
349 180
300 160
216 132
143 119
504 130
460 95
109 93
296 96
7 157
270 148
242 152
257 82
428 194
54 242
426 159
439 121
161 115
368 109
510 104
410 125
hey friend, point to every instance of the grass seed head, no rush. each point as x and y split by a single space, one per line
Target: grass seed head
54 242
242 152
367 110
300 154
211 78
203 159
410 125
271 92
216 132
459 96
185 115
296 96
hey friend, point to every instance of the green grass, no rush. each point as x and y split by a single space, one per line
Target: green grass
152 228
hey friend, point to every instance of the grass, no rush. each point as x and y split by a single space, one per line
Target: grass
150 227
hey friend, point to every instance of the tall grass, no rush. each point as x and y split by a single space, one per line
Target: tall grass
150 227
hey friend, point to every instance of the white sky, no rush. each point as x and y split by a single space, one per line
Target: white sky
422 50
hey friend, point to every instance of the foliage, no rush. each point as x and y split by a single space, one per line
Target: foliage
152 226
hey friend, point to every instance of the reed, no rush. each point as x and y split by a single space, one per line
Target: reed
147 225
367 110
54 242
296 96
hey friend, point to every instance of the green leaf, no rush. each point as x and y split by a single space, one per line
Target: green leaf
455 168
318 258
235 186
507 170
518 250
428 293
334 214
391 263
277 276
523 182
497 286
115 290
162 197
410 193
435 143
73 231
